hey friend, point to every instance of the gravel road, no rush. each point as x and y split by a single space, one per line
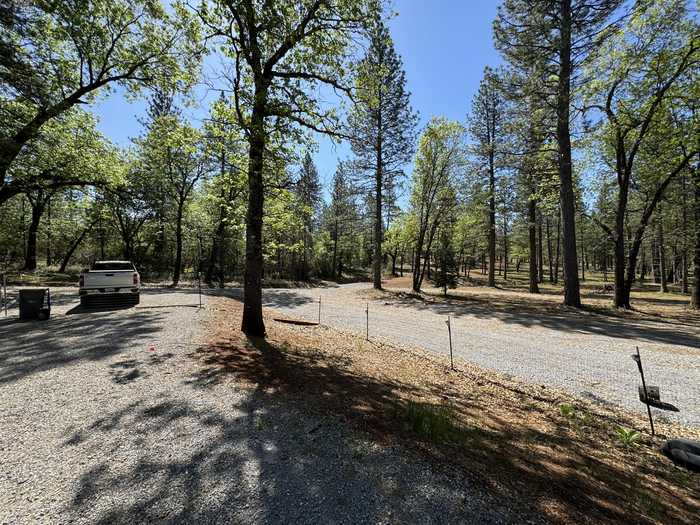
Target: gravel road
106 419
584 353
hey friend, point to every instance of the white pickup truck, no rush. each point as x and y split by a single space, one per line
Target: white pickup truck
110 280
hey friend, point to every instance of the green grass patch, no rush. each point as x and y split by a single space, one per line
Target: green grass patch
436 423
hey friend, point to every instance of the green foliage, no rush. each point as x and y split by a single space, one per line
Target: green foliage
627 437
447 272
436 423
57 55
438 165
579 420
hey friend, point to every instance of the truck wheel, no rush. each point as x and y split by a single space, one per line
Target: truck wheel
136 298
84 301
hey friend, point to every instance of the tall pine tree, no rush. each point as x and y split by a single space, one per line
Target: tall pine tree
563 32
486 128
308 192
382 128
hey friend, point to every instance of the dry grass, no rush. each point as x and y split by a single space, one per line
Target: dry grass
567 463
648 303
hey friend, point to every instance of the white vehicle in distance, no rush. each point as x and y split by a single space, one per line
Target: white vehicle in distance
110 281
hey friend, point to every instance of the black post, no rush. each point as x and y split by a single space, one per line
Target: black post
638 359
319 309
449 333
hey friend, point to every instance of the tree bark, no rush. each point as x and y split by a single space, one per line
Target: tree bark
549 251
532 237
684 255
252 322
540 250
662 253
695 294
583 252
74 246
49 258
30 261
492 221
378 230
38 204
572 293
377 255
556 259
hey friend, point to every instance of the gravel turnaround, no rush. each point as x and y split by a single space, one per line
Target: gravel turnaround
105 418
586 354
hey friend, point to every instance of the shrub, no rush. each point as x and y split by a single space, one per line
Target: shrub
627 437
437 423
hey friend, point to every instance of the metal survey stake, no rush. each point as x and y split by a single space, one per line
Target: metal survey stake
638 360
449 334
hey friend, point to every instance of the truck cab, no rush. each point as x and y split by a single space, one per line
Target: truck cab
110 281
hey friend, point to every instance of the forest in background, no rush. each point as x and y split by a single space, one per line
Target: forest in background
580 153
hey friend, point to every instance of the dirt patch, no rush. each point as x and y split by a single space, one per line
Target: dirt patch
564 457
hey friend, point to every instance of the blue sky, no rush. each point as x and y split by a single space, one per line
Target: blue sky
445 45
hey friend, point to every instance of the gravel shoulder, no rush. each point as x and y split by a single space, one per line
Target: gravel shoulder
584 353
106 418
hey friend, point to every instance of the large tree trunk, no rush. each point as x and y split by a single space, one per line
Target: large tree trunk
492 221
49 257
549 251
583 252
662 253
622 287
37 212
532 237
377 257
417 270
540 250
695 294
622 293
556 259
71 249
684 255
572 293
252 322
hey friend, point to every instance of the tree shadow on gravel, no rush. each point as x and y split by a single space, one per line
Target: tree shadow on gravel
533 313
537 471
31 347
252 459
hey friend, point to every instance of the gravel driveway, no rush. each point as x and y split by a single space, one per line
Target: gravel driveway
106 419
584 353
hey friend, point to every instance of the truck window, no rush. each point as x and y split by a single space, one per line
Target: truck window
108 266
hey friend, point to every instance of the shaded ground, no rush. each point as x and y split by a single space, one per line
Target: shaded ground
513 438
586 352
107 418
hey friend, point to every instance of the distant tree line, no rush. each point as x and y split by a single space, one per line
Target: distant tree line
580 154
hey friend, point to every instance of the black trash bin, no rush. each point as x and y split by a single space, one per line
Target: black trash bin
34 303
